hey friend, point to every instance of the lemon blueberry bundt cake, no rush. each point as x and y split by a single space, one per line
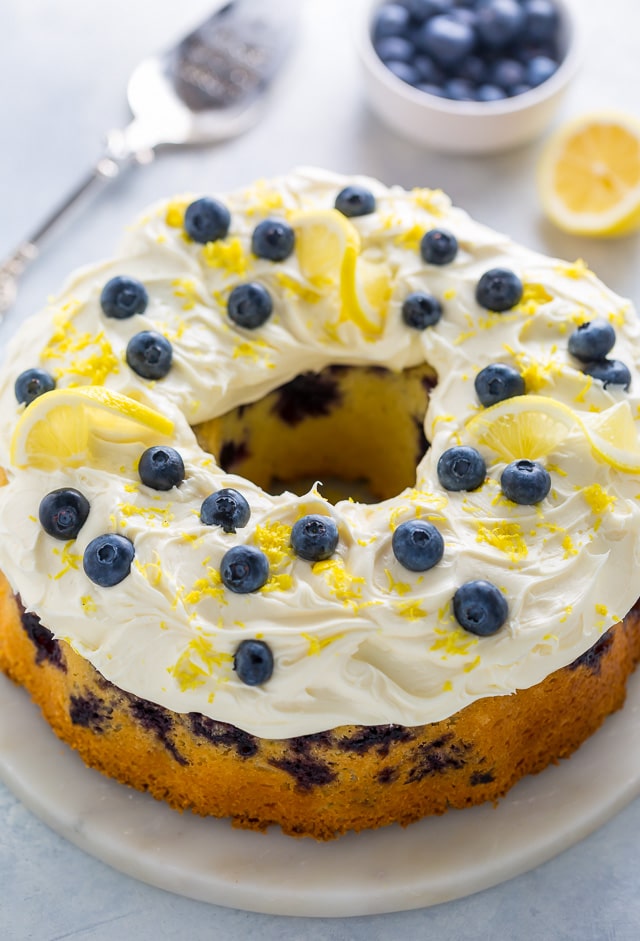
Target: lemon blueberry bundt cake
196 616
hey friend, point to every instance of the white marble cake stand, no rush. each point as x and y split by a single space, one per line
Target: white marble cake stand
392 869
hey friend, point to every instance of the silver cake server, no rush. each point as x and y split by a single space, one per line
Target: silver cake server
208 87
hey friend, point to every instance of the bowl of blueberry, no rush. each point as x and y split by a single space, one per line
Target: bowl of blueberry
468 76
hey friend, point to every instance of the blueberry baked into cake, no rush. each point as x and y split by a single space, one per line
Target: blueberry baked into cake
202 619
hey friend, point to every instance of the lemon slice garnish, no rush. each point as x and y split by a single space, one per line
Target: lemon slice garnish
68 427
589 175
526 426
328 251
614 437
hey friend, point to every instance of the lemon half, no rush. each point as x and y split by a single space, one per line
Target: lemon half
589 175
67 427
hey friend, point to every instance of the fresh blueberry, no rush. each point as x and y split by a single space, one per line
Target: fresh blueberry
539 69
226 508
272 239
123 297
423 9
314 537
430 73
520 89
421 310
417 545
438 247
459 89
488 92
33 382
592 341
480 608
466 15
436 90
63 513
206 220
107 559
392 19
507 73
611 372
404 71
244 569
498 382
499 289
473 68
446 39
161 468
461 468
395 49
542 19
253 662
249 305
149 354
525 482
355 201
500 22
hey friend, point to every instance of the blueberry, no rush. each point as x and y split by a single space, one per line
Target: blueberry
206 220
480 608
431 90
446 39
541 19
226 508
539 69
33 382
244 569
417 545
395 49
525 482
500 22
421 310
461 468
507 73
520 89
149 354
249 305
592 341
459 89
392 19
355 201
466 16
314 538
161 468
499 289
421 10
438 247
253 662
272 239
107 559
404 71
611 372
123 297
473 68
63 513
488 92
498 382
429 72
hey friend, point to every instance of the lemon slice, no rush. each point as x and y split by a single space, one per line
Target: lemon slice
526 426
589 175
614 437
68 427
328 251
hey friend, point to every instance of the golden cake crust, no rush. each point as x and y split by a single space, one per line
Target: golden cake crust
322 785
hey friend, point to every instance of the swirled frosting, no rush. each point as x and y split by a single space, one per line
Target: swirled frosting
357 638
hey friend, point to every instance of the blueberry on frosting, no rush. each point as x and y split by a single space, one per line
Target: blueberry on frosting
499 289
226 508
107 559
355 201
592 341
461 468
420 310
149 354
206 220
123 297
525 482
253 662
249 305
272 239
480 608
610 372
438 247
314 537
161 468
63 513
31 383
244 569
498 382
417 545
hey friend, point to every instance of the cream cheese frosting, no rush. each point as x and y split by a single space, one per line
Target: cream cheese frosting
357 639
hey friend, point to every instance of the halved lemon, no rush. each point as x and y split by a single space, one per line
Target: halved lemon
525 426
328 251
589 175
614 437
66 427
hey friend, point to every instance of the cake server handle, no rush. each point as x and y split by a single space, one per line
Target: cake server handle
116 158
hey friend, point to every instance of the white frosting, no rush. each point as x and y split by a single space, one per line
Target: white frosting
358 639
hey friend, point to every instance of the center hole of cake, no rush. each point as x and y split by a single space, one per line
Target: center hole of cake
358 430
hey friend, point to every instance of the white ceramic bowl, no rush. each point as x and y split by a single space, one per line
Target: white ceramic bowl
465 126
